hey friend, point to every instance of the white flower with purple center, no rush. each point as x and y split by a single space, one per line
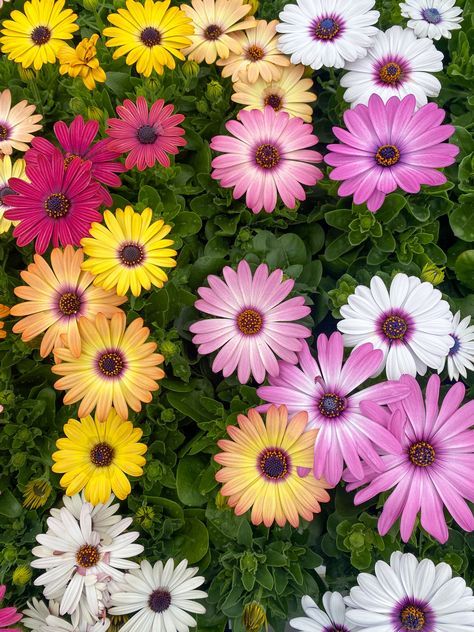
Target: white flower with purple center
411 596
410 323
397 64
432 18
327 32
461 354
316 620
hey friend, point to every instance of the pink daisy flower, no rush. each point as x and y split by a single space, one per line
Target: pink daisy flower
76 142
390 145
432 466
324 389
8 616
253 324
148 136
267 155
58 205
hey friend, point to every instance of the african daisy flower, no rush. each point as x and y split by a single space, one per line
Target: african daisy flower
267 155
253 323
162 596
331 619
214 22
290 93
34 37
410 323
36 493
58 205
461 354
329 33
150 34
8 170
432 18
259 56
130 251
76 141
82 62
325 390
8 616
56 297
4 311
96 456
432 465
260 464
388 146
147 136
116 367
16 124
407 595
37 612
396 64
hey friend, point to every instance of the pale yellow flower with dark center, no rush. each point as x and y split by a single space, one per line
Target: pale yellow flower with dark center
82 62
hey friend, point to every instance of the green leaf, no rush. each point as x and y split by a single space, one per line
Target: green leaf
464 268
186 224
189 404
248 580
461 221
264 577
337 248
9 505
340 218
245 535
191 542
189 470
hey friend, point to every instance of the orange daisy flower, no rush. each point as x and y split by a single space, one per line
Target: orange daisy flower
4 311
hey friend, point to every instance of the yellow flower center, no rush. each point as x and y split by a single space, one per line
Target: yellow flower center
274 464
213 32
267 156
391 72
69 303
422 454
250 322
111 364
150 37
275 101
255 53
57 205
40 35
387 155
87 556
131 254
413 618
102 455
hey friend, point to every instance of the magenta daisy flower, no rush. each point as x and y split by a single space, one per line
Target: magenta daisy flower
253 323
324 389
76 142
267 155
8 616
58 205
148 136
432 465
390 145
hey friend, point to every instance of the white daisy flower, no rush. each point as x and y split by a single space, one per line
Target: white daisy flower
37 612
327 32
55 624
78 564
161 597
409 595
397 64
461 354
316 620
410 323
432 18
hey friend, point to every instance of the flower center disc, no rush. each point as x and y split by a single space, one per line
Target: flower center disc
111 364
422 454
102 455
213 32
40 35
146 134
255 53
69 159
69 304
267 156
57 205
395 327
454 349
412 618
5 191
274 464
87 556
275 101
326 29
331 405
250 322
150 37
391 72
131 254
3 132
431 15
160 600
387 155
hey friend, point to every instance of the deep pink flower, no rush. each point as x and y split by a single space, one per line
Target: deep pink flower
147 136
432 466
267 155
76 141
58 205
324 389
390 145
8 616
253 324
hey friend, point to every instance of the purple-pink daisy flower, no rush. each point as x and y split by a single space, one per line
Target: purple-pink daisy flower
147 136
8 616
325 390
266 156
390 145
253 323
77 142
432 466
58 205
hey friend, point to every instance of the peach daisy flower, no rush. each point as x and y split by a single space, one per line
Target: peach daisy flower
16 124
4 311
258 57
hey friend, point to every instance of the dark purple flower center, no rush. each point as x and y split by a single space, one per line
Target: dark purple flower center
395 327
87 556
255 53
41 35
422 454
456 346
160 600
391 72
57 205
102 455
387 155
111 364
213 32
131 254
275 101
4 131
5 191
326 29
274 463
267 156
412 618
146 134
432 15
250 322
331 405
150 37
69 303
336 628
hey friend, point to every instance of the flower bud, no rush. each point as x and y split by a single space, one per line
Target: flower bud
22 575
254 617
432 273
214 90
190 69
254 4
90 5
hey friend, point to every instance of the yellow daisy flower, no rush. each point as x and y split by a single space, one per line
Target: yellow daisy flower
151 35
96 456
36 493
260 468
290 93
117 367
82 62
214 21
129 251
34 37
9 169
258 57
4 311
